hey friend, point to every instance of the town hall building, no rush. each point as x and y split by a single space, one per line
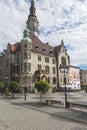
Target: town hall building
31 60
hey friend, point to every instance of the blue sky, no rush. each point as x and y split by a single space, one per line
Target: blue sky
58 19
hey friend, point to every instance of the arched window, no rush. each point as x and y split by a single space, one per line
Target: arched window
63 60
47 68
48 80
38 78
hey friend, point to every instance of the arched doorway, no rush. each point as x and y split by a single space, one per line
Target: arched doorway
44 78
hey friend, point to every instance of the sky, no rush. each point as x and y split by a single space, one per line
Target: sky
58 19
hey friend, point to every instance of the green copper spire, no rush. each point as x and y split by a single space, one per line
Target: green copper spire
32 1
26 35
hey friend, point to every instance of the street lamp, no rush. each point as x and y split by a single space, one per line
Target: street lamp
25 89
64 69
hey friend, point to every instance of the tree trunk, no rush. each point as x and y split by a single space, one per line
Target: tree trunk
41 98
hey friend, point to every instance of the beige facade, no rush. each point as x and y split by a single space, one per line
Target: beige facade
31 60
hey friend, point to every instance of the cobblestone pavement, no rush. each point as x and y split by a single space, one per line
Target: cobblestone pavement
14 117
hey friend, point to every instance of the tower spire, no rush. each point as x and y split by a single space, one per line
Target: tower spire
32 22
32 8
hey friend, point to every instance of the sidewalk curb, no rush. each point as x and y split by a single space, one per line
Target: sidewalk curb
61 116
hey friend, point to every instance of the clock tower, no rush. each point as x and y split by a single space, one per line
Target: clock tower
32 22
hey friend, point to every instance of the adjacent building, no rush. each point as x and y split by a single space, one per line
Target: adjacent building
83 77
74 76
31 60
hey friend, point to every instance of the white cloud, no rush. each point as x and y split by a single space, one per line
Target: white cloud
59 20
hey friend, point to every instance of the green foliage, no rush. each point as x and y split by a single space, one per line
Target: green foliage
42 86
1 86
14 86
83 86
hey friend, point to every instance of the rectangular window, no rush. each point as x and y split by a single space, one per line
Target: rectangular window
47 59
47 68
53 61
25 67
17 57
39 67
0 72
39 57
29 66
54 70
61 80
63 60
25 55
29 55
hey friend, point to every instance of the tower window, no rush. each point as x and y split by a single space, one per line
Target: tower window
63 60
25 46
25 55
29 55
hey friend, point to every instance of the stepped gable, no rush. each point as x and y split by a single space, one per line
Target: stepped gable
57 49
14 48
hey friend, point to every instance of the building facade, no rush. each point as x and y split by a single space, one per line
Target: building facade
83 77
31 60
74 76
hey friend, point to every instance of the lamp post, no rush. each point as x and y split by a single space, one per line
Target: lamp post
25 89
64 69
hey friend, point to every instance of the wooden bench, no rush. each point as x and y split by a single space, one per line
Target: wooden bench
56 102
81 107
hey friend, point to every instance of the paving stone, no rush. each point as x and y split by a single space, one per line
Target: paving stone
18 117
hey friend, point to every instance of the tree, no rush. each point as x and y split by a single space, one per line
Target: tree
84 87
14 87
1 86
42 87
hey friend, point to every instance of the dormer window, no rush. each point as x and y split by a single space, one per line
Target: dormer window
37 46
51 51
44 49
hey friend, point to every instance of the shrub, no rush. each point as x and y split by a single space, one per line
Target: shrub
14 86
42 86
1 86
